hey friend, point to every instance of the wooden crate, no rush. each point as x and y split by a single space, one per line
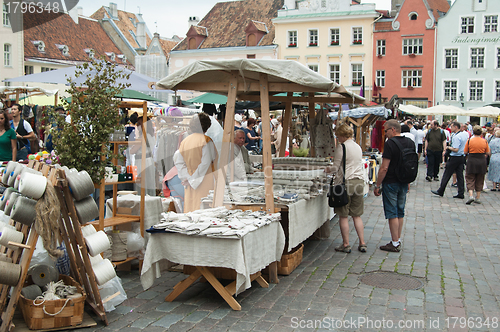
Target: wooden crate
290 260
71 315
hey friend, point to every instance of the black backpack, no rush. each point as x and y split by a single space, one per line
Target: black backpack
407 169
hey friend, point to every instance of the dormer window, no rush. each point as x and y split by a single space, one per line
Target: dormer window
133 21
40 45
112 56
123 58
195 36
64 49
255 31
90 52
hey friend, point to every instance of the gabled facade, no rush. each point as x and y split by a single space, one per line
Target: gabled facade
404 50
231 30
11 44
331 37
127 30
468 55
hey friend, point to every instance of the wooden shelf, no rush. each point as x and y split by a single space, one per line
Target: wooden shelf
97 185
125 142
115 221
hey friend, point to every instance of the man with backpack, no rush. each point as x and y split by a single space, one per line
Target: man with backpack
435 144
399 168
23 131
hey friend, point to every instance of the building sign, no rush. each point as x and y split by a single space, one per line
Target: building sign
475 41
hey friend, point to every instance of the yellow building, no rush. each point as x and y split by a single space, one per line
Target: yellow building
331 37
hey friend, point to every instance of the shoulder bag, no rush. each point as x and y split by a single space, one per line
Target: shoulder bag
337 195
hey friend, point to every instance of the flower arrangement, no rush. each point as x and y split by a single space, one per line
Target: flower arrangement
313 44
356 83
292 45
357 42
334 42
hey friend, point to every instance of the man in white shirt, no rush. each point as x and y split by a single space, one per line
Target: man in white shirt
241 162
23 131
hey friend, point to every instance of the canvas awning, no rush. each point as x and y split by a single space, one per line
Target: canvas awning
485 111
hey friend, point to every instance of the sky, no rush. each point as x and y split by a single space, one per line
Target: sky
170 17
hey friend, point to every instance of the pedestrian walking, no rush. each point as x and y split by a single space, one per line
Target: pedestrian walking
435 145
456 161
494 168
388 184
354 186
477 149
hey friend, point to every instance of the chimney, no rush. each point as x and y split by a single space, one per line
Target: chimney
113 8
141 34
193 20
289 4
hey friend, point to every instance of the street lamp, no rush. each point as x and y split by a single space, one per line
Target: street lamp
462 99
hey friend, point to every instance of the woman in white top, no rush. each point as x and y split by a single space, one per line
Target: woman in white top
354 185
419 140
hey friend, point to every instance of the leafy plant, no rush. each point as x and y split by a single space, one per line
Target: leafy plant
300 152
94 117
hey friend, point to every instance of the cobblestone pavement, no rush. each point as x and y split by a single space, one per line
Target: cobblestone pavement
451 246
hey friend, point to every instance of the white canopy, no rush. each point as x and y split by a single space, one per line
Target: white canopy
485 111
411 109
434 110
26 89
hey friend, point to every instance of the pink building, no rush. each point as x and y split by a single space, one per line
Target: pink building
404 52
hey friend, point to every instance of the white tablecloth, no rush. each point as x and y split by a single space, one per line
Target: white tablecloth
248 255
305 217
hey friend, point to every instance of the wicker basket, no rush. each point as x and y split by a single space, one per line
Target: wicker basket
71 315
291 260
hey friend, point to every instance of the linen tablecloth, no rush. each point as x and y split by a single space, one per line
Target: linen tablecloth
248 255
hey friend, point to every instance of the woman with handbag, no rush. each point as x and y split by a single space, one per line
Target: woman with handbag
347 165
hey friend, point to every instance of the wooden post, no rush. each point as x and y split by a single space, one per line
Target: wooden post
286 125
143 166
267 162
226 141
312 115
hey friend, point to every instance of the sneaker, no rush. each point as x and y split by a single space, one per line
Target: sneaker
469 201
390 247
459 196
454 185
435 192
428 178
477 201
436 178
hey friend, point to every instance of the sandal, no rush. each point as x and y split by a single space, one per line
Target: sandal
341 248
362 247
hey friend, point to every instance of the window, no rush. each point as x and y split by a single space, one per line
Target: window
252 40
498 57
250 56
412 78
450 90
28 70
192 43
313 37
467 25
491 23
477 57
6 55
451 58
357 74
335 73
476 90
357 35
413 17
44 69
334 36
380 78
292 38
6 16
497 90
313 67
413 46
381 47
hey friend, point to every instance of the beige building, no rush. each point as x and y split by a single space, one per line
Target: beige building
331 37
12 46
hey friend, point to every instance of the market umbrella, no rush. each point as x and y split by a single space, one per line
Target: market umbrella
132 94
414 110
209 98
485 111
138 82
445 110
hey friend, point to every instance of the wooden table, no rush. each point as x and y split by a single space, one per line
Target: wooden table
247 256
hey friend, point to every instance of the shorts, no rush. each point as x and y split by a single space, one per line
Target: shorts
355 207
394 199
420 148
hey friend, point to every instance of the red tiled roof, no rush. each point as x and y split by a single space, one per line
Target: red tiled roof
167 46
124 23
383 26
202 31
62 30
226 23
438 5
